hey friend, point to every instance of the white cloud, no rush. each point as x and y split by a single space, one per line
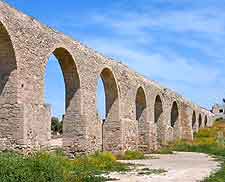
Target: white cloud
202 21
144 40
156 64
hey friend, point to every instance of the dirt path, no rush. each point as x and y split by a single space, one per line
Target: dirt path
178 167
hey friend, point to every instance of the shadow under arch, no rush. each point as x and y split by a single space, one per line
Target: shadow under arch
158 111
111 130
193 121
141 117
199 121
174 115
8 67
158 108
206 121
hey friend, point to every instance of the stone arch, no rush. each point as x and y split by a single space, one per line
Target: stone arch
141 117
174 115
206 121
111 126
71 119
199 121
193 120
8 68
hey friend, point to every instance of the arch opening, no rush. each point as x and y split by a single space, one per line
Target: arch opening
111 95
108 106
141 117
200 121
62 86
174 114
55 95
101 107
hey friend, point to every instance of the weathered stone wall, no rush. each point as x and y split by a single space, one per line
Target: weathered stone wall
37 122
131 123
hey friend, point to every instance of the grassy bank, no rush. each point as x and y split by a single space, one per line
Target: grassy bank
56 167
208 140
44 167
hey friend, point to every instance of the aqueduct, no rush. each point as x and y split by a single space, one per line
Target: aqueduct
140 114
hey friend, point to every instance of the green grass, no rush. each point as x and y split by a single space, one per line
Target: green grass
55 167
210 141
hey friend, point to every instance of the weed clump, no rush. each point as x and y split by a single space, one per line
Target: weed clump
147 171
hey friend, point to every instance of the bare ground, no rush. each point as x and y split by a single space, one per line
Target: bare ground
178 167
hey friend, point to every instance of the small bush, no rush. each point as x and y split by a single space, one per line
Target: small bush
165 150
219 119
130 155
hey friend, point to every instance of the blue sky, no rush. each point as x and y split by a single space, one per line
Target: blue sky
180 44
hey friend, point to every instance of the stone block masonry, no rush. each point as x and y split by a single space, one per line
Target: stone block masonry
141 115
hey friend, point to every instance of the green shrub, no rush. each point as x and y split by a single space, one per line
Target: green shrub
165 150
130 155
220 140
104 161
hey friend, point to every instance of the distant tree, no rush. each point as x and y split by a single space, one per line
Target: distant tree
61 127
223 100
56 125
